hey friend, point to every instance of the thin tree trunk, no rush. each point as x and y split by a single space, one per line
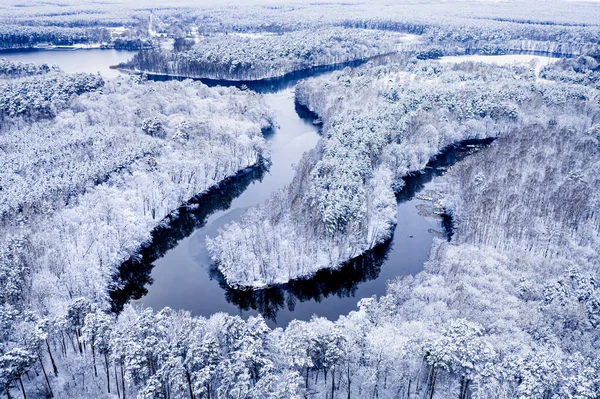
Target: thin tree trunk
107 372
189 381
466 390
46 376
306 379
94 359
349 381
123 380
417 381
72 343
77 336
385 378
117 381
22 388
52 359
64 344
332 381
429 379
376 389
7 389
408 391
433 384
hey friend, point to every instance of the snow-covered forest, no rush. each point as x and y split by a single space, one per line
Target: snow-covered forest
84 184
255 56
342 201
506 306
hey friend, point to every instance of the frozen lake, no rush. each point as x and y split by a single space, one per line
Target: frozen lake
72 61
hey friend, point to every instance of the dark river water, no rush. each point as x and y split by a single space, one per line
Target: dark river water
175 269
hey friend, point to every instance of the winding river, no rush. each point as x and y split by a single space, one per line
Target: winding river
180 274
175 269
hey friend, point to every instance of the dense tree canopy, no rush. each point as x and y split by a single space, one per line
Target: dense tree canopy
260 56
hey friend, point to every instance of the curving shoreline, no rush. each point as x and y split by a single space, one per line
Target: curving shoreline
266 84
310 293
